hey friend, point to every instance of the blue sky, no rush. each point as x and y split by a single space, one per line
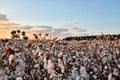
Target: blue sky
93 16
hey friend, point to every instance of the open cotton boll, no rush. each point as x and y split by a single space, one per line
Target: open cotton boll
95 77
21 65
61 65
19 78
60 54
118 66
1 78
77 78
11 58
2 73
45 79
5 62
110 76
50 64
113 75
116 72
28 45
36 65
34 52
7 44
84 74
82 69
50 67
6 77
45 63
74 73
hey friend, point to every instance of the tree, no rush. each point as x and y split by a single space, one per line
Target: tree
46 35
18 31
14 34
35 36
23 33
40 34
25 37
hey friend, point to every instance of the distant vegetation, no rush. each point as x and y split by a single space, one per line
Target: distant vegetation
18 34
92 37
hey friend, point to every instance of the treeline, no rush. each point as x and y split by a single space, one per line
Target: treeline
92 37
18 34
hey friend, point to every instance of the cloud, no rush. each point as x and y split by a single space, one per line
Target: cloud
43 26
14 26
3 17
22 27
5 26
42 29
68 34
74 29
67 30
79 29
4 22
61 32
27 27
79 32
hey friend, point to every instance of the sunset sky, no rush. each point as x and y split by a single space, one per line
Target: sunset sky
60 18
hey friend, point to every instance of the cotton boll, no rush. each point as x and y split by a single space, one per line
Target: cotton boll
117 51
7 44
34 52
36 65
45 63
45 79
69 77
2 72
60 54
6 77
11 58
116 72
82 69
19 78
84 74
28 45
1 78
110 76
50 64
21 65
95 77
74 73
7 70
61 65
77 78
50 68
5 62
118 66
95 69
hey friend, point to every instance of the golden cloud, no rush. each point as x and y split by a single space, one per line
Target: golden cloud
6 27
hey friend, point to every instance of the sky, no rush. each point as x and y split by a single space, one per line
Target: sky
61 18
